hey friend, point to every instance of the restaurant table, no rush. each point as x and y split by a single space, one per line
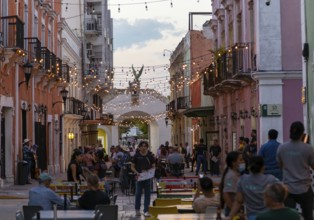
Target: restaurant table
67 215
185 208
188 194
190 216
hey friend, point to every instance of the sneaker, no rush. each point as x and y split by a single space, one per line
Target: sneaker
137 213
146 214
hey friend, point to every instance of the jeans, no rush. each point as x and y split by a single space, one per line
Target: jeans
305 200
251 217
200 160
140 185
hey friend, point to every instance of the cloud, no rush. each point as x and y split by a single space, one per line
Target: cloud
139 33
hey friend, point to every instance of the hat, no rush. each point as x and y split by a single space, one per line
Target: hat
26 140
44 176
125 148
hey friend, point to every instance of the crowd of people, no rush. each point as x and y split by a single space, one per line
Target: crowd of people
259 183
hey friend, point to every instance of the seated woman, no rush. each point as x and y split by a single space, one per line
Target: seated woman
93 196
201 202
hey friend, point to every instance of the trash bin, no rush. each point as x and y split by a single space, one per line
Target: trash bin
22 168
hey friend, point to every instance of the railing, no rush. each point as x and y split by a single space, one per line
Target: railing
53 59
171 106
1 38
243 58
182 102
74 106
91 25
240 59
13 28
33 48
46 56
66 72
58 70
209 78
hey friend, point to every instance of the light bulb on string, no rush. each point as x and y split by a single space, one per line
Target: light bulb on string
171 4
146 8
119 8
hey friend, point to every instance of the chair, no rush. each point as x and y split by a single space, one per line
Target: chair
107 212
113 199
30 211
167 202
176 169
156 210
19 215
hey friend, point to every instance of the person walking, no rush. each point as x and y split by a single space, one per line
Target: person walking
201 153
296 158
142 161
269 151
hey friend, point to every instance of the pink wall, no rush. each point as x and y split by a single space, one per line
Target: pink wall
291 35
292 111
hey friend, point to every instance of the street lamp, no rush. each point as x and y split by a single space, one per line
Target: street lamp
166 120
27 73
71 136
170 51
64 95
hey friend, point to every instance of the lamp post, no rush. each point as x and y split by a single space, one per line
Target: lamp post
71 137
64 95
27 73
166 121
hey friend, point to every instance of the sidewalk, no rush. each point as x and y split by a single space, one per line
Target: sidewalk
11 191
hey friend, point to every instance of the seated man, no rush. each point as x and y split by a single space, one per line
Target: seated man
201 202
43 196
93 196
274 197
175 162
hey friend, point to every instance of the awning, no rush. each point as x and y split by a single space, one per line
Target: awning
199 112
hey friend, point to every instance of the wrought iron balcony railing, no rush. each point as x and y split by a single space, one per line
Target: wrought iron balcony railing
182 102
13 29
53 60
66 73
1 38
74 106
243 58
46 56
33 48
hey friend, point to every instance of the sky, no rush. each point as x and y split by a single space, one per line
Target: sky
142 36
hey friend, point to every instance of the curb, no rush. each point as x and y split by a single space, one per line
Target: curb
12 197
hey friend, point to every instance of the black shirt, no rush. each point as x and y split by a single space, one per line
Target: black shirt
91 198
200 149
143 162
79 171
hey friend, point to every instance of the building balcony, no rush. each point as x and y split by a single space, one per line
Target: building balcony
46 59
13 29
74 106
65 73
33 48
91 27
230 70
182 103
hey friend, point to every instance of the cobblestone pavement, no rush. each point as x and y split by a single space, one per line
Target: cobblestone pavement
13 197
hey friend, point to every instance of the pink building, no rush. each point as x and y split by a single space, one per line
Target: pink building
255 77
